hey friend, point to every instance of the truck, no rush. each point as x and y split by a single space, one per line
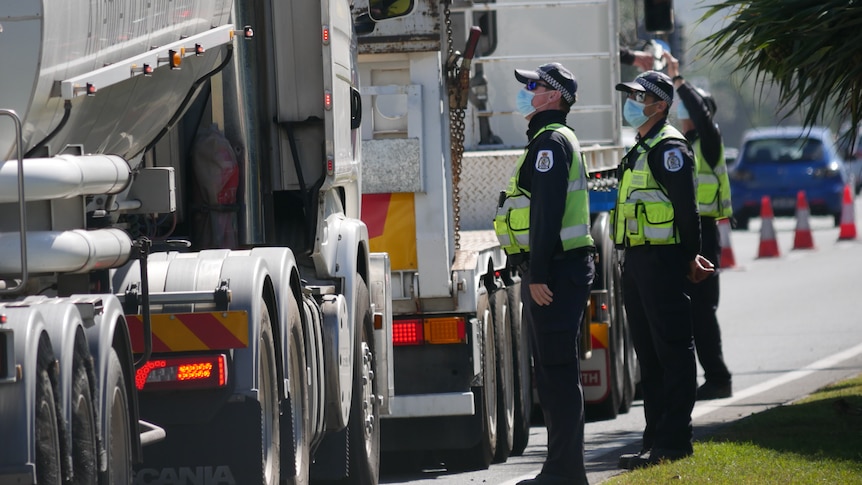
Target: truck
461 360
455 304
584 36
187 292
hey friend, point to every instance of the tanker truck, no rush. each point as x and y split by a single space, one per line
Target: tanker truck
187 293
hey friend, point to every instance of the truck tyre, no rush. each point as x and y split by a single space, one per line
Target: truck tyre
268 397
478 457
84 447
118 436
505 376
47 425
604 280
297 399
632 376
522 368
363 427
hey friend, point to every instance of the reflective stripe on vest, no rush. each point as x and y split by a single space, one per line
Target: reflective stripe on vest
644 213
512 222
713 185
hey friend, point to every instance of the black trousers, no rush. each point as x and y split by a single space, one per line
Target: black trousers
659 316
554 337
704 304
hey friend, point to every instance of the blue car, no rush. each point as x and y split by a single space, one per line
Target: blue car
779 162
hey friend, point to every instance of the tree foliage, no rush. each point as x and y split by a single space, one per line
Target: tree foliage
808 49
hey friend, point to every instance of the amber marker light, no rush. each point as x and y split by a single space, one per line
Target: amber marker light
445 330
175 58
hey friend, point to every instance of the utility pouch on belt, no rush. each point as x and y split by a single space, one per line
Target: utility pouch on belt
634 229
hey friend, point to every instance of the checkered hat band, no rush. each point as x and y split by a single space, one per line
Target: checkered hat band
654 89
556 85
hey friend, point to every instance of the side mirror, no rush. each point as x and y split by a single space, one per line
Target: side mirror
658 16
388 9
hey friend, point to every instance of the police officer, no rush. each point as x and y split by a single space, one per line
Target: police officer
656 221
695 112
543 223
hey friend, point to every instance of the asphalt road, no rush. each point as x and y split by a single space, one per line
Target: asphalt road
790 325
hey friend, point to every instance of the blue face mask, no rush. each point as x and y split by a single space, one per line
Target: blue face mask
633 112
524 102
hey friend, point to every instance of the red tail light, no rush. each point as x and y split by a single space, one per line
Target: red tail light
407 332
199 372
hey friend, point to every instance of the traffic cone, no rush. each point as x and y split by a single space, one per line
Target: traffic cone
768 243
803 238
848 216
727 260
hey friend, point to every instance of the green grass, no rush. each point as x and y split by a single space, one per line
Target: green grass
814 440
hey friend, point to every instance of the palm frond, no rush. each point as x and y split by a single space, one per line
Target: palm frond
808 49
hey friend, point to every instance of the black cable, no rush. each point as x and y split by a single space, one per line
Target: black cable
67 111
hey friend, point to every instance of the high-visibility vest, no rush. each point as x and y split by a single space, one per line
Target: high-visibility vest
644 213
512 222
713 185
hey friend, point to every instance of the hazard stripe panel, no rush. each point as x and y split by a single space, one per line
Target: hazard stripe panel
182 332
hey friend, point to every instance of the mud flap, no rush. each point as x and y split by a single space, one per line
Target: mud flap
223 451
331 460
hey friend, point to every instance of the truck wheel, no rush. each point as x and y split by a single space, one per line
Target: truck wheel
523 372
298 398
268 396
604 280
47 431
505 377
630 359
84 450
479 456
364 425
118 436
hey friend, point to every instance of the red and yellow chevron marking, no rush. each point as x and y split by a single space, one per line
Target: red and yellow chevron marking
599 335
391 221
181 332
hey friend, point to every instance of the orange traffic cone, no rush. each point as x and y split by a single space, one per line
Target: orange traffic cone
768 243
848 216
727 260
803 238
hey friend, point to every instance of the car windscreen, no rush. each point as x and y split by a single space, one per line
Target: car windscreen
778 150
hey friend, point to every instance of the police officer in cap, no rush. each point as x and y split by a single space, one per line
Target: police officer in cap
656 221
543 224
695 110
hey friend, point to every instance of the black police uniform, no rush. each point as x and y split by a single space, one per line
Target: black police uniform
659 311
705 295
555 328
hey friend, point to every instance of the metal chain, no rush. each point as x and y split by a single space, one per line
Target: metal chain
456 125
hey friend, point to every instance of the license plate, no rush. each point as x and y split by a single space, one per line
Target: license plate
784 203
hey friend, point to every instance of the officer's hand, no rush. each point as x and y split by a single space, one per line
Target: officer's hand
541 294
700 269
672 64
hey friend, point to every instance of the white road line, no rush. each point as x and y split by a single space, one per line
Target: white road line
705 407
